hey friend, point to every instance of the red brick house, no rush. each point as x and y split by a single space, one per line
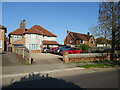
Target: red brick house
34 38
3 39
74 39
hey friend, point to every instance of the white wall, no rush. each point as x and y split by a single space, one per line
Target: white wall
37 39
12 38
49 38
33 39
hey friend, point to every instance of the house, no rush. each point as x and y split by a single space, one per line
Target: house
3 38
74 39
35 38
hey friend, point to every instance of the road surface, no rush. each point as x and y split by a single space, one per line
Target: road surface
104 79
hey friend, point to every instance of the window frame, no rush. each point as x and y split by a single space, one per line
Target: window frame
0 43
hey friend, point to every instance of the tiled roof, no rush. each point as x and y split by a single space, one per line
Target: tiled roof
2 27
21 41
40 30
18 31
79 36
49 42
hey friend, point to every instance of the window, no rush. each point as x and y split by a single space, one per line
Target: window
92 42
34 46
71 41
0 43
16 36
33 36
81 41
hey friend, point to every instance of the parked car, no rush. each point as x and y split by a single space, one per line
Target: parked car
46 49
61 48
71 51
53 49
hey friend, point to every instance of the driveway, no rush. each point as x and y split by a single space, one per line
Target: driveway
45 58
12 59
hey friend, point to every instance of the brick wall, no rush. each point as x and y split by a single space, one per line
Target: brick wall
85 57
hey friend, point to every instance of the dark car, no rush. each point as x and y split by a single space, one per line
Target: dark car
61 48
46 49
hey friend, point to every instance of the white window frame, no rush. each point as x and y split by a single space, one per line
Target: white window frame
34 46
0 43
16 36
33 36
71 41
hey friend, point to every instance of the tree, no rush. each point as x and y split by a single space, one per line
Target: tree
100 33
84 47
102 40
108 19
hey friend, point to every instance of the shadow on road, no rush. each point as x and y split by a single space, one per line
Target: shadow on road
41 81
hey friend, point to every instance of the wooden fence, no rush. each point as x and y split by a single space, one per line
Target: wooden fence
24 52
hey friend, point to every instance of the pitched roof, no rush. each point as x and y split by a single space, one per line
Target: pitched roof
21 41
36 29
79 36
2 27
49 42
18 31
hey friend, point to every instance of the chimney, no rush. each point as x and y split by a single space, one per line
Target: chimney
23 24
68 31
88 33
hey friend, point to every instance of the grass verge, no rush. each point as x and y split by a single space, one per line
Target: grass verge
102 65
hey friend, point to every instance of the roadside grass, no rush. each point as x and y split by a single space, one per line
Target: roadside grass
102 64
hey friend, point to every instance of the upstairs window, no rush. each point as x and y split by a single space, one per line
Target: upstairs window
16 36
81 41
33 36
71 41
92 42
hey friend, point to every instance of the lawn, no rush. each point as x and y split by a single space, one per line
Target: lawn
102 64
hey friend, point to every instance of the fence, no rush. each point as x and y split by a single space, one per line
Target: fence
85 57
24 52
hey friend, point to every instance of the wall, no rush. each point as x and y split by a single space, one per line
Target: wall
85 57
36 40
12 38
49 38
2 37
67 40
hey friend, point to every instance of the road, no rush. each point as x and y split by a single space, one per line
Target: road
104 79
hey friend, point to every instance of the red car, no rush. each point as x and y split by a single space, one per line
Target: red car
53 49
72 51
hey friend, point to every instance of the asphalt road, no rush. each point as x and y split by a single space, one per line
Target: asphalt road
104 79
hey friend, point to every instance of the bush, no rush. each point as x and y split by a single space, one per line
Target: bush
84 47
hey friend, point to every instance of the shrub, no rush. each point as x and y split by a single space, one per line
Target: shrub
84 47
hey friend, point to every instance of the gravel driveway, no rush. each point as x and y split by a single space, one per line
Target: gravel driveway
45 58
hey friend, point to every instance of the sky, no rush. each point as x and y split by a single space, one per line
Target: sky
56 17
